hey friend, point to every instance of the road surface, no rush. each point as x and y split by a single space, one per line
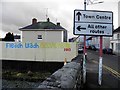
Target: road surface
111 71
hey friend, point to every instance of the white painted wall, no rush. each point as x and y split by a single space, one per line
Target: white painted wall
115 36
46 52
115 46
119 13
115 40
106 41
47 36
0 50
96 42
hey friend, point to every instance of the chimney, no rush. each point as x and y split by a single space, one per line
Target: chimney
34 20
48 20
58 23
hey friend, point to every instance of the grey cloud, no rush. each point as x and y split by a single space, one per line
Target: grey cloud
10 28
19 14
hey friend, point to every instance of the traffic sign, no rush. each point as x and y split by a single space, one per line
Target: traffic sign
89 22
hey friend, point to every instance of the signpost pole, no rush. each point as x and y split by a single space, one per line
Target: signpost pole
84 56
100 63
92 23
84 4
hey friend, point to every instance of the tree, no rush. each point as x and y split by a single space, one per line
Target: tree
9 37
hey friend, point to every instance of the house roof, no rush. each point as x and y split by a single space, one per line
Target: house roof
42 25
17 37
117 30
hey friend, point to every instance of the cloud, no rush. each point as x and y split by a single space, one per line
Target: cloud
19 13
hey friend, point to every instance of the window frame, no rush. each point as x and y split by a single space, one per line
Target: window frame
39 37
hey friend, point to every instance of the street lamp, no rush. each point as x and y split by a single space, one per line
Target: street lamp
89 2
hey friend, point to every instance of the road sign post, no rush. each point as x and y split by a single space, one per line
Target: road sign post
93 23
100 63
84 61
84 55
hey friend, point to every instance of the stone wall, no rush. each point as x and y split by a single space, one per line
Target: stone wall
68 77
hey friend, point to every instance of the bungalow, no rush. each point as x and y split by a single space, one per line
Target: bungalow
45 31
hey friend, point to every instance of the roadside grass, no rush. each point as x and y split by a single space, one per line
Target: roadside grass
25 76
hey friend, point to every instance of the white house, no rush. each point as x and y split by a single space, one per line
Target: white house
115 40
45 31
119 13
17 38
95 40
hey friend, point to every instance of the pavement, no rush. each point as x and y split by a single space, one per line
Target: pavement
109 80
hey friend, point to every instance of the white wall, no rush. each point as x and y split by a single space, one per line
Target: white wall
115 42
119 13
47 36
115 36
106 41
96 41
115 47
45 52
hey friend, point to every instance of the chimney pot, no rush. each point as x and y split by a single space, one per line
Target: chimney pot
58 23
34 20
48 20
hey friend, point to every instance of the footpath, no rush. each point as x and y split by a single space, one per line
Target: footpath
109 81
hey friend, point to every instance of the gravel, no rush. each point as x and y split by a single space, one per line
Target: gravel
19 84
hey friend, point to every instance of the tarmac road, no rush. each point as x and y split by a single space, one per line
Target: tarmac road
110 74
112 61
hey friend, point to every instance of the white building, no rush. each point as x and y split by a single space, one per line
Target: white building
43 32
119 13
17 38
115 41
95 40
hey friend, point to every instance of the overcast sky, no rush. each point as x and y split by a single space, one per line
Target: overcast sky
15 14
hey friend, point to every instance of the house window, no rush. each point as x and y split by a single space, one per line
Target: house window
112 45
39 37
117 46
118 36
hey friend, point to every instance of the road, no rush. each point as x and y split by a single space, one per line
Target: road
111 61
111 70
